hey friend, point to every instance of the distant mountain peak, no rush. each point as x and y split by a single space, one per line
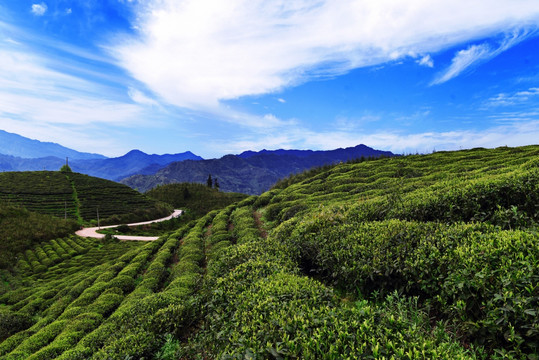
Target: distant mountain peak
135 151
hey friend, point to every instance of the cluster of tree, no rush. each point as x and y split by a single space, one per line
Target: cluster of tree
212 182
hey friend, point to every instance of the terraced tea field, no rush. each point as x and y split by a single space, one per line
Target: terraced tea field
431 257
79 196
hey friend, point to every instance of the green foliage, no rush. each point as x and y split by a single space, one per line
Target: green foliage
245 228
477 281
458 269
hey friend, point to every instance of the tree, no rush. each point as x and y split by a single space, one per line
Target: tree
216 184
186 193
209 182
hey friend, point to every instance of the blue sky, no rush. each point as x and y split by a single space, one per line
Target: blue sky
219 77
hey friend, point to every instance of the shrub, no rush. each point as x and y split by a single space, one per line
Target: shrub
12 323
125 283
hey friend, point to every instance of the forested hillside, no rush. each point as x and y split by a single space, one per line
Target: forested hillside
433 257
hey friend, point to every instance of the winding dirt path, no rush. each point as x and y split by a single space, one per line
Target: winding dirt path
92 231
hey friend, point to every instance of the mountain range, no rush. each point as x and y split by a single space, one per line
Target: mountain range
250 172
18 153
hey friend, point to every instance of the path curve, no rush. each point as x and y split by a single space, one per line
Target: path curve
92 231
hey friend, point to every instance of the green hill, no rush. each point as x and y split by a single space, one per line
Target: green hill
431 257
79 196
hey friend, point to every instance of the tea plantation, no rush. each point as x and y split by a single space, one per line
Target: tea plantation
21 229
417 257
79 196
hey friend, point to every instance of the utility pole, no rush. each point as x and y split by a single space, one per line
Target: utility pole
99 227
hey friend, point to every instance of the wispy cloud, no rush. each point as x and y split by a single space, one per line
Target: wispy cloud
39 9
38 101
196 54
463 60
477 54
520 97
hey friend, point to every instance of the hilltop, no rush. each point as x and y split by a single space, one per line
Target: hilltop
426 256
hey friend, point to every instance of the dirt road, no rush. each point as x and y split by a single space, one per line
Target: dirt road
92 231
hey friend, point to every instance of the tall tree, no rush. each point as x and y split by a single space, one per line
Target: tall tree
216 183
186 193
209 182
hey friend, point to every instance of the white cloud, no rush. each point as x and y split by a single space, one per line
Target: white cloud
281 100
463 60
68 11
519 97
476 54
426 61
39 9
196 53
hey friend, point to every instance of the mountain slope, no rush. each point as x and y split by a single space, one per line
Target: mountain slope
20 146
249 172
